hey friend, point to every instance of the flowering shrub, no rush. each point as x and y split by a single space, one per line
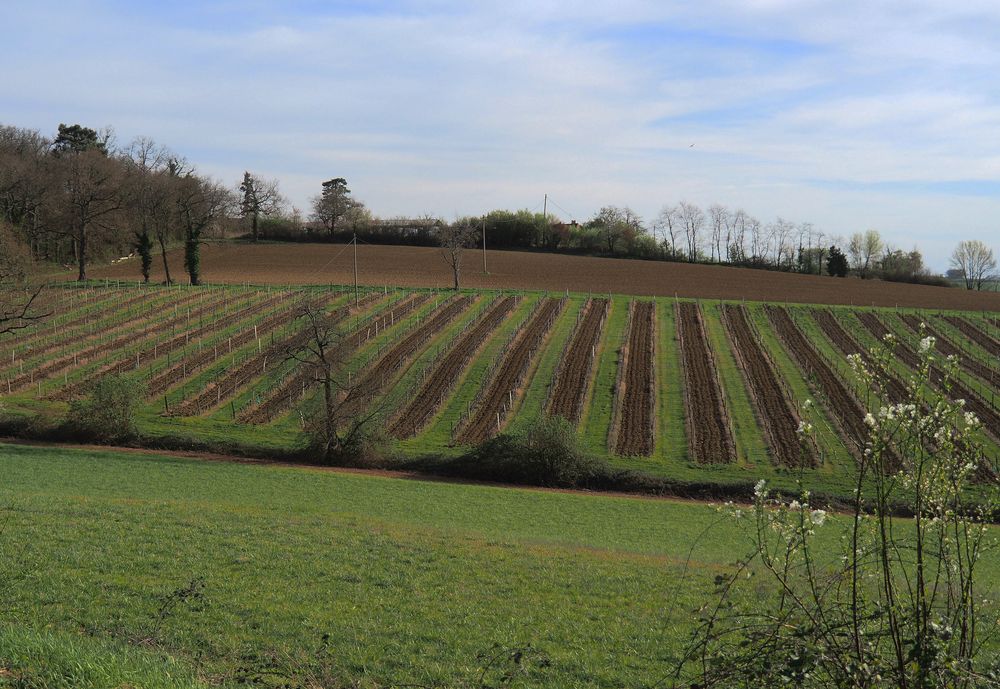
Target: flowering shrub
897 602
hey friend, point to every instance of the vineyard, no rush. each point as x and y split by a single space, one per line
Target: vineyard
677 387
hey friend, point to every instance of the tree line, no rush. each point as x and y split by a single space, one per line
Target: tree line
78 197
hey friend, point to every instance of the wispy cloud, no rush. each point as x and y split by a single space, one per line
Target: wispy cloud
848 115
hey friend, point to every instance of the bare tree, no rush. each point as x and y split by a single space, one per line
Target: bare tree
975 261
670 220
736 236
454 239
758 240
148 193
693 222
92 193
781 232
260 197
719 217
199 202
863 250
17 295
338 428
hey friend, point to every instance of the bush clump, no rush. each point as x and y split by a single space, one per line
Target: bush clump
107 412
546 453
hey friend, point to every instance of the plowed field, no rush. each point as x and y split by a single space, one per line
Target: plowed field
447 371
775 411
848 412
635 425
895 390
509 376
710 440
425 267
572 378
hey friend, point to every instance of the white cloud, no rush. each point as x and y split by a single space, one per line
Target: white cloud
453 108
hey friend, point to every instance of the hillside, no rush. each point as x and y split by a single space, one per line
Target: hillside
693 391
323 264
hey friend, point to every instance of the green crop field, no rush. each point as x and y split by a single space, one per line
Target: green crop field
213 364
382 581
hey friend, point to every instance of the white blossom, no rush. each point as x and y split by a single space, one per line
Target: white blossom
817 517
927 344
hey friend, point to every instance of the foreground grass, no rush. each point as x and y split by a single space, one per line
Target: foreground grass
410 580
365 579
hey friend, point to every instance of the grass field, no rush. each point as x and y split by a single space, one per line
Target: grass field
375 580
410 579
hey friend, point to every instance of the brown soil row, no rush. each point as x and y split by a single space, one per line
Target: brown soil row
985 410
374 381
496 395
944 345
152 328
423 267
775 410
449 369
895 390
573 376
179 341
102 322
974 333
847 411
51 326
710 439
301 378
635 421
876 327
188 366
254 366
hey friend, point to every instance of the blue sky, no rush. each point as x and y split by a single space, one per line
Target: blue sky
849 115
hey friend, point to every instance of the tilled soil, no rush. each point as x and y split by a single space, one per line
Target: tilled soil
710 439
235 263
151 352
974 333
574 375
252 367
876 327
496 396
895 390
944 345
190 365
635 423
775 410
61 332
153 327
984 409
294 385
847 410
448 370
375 379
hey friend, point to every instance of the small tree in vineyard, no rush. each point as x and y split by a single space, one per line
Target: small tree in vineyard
339 430
901 602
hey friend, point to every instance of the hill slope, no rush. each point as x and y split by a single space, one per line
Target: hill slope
311 264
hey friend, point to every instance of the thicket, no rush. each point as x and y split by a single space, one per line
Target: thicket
107 413
901 603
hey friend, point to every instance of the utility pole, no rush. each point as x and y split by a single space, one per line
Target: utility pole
545 208
485 272
355 242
